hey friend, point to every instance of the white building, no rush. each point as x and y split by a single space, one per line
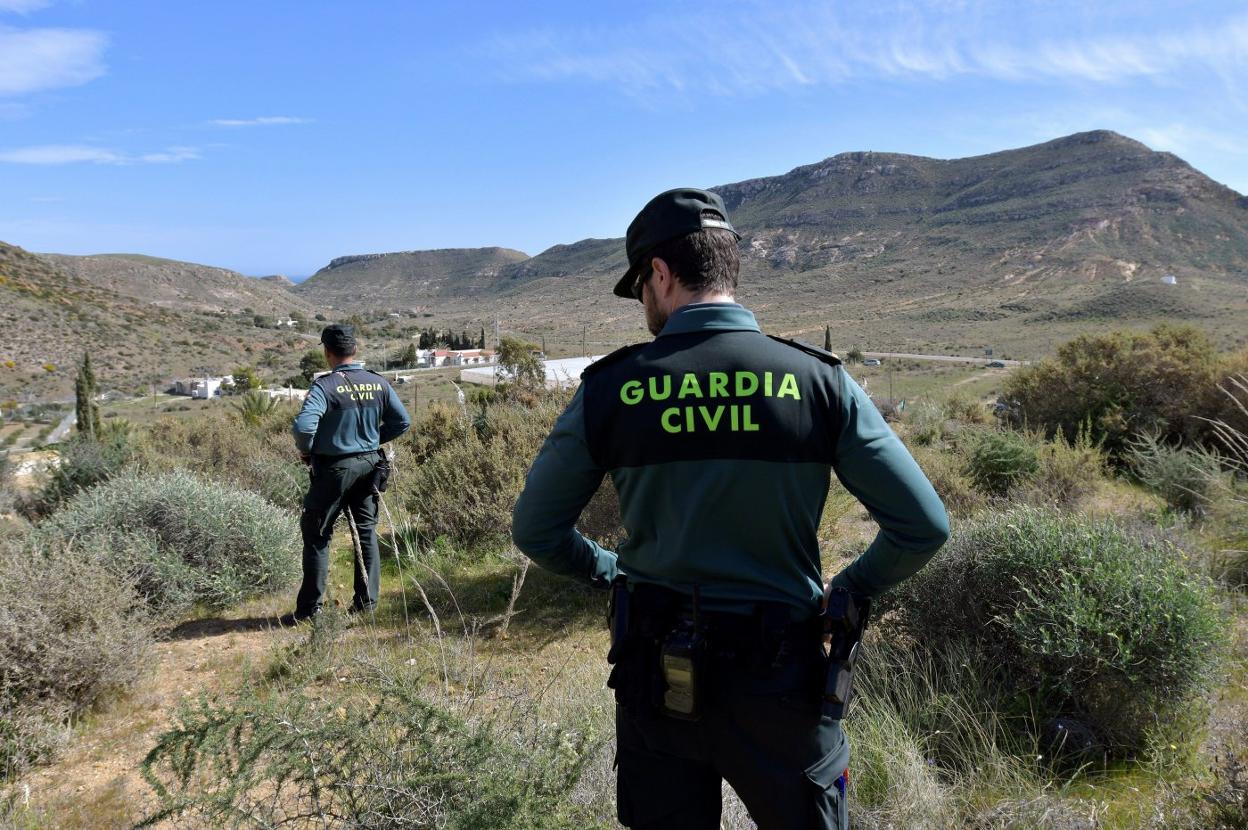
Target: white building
429 358
201 388
285 393
563 373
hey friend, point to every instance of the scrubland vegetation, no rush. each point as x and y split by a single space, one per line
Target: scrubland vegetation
1076 657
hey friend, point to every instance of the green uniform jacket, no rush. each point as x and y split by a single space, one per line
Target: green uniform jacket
721 442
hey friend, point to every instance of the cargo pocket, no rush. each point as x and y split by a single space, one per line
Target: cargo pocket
831 801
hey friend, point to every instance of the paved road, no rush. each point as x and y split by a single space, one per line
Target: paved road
944 358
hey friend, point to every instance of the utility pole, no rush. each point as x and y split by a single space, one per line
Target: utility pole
584 329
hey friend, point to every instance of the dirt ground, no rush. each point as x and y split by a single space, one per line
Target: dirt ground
97 781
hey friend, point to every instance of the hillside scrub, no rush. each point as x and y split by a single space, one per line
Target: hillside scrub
84 462
1053 608
180 539
999 462
396 761
62 648
1123 384
220 446
1185 477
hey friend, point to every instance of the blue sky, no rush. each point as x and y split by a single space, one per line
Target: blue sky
269 137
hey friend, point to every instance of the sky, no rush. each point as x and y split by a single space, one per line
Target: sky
270 136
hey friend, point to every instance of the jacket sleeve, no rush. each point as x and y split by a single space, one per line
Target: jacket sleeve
879 471
394 418
561 482
309 418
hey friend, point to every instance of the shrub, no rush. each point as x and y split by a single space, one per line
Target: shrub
261 459
1069 470
84 462
926 422
964 408
181 539
1054 607
1185 477
1000 461
62 647
1124 383
470 473
947 474
398 762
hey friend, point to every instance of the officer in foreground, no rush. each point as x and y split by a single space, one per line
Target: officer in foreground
346 417
721 441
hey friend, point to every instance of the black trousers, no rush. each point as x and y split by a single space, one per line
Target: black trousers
338 484
761 730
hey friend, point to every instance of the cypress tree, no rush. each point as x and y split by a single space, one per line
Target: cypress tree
827 338
85 407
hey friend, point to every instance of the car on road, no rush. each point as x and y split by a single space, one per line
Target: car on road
871 361
996 364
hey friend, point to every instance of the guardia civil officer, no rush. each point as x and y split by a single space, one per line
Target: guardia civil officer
346 417
720 441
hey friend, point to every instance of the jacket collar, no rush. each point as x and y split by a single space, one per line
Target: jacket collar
697 317
351 364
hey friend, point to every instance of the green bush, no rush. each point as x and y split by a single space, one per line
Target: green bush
347 762
926 423
947 473
83 463
1123 383
71 632
469 472
1072 616
1186 477
181 539
997 462
1068 470
261 459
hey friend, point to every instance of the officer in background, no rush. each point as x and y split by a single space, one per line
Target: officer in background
346 417
720 441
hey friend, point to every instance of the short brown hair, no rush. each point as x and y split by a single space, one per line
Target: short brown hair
703 261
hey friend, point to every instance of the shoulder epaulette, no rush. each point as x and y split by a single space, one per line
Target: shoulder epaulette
825 356
606 360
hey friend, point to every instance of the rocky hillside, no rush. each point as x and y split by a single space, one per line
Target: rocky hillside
180 285
408 278
49 317
1018 247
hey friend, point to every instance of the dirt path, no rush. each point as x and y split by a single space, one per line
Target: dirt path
96 782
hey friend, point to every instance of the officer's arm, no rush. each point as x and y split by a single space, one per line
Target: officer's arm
879 471
394 419
562 481
308 419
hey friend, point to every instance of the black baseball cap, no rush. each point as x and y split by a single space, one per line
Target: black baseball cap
339 338
667 216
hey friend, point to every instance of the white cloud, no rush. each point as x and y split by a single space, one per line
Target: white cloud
1183 139
263 121
37 59
55 154
755 48
23 6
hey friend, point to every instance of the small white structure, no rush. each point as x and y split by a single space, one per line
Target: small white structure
201 388
429 358
284 393
1170 279
563 373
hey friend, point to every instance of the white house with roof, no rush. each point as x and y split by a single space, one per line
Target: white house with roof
563 373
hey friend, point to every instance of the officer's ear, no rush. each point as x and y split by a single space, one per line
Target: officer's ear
662 280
